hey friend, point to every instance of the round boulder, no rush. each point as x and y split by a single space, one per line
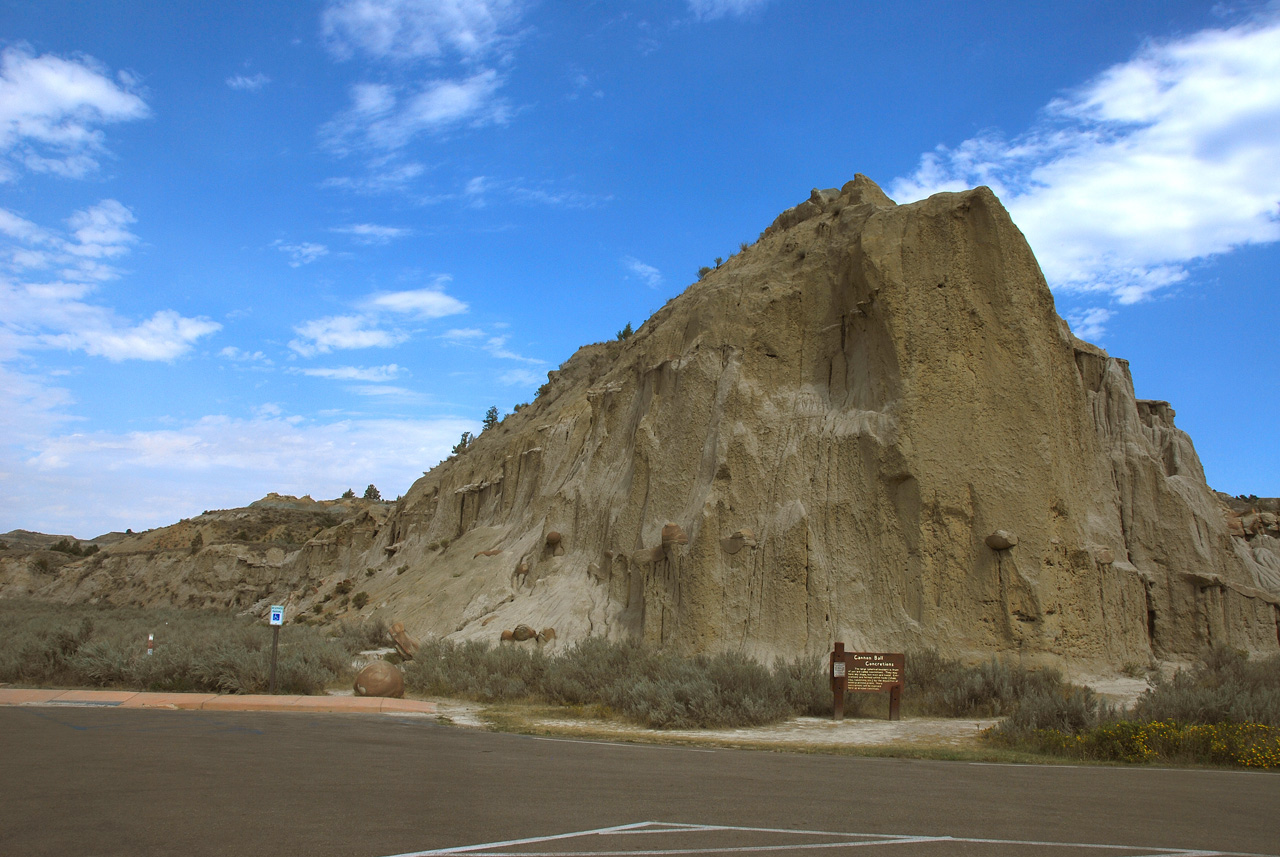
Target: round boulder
380 679
1001 540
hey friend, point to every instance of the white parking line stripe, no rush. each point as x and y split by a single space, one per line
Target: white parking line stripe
466 849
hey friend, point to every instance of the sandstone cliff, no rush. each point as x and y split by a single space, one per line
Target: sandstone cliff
869 426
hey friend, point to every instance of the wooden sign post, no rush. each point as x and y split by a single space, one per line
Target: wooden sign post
866 672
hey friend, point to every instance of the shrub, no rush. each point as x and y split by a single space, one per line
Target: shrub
344 586
1225 711
372 493
703 271
1226 688
359 600
625 333
83 645
652 687
349 494
490 418
461 446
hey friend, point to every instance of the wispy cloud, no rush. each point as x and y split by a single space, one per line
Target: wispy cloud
341 333
709 10
251 83
51 109
406 30
383 117
371 233
371 374
1159 161
239 355
51 276
423 303
479 189
521 378
300 254
648 274
382 175
370 328
497 347
128 479
463 334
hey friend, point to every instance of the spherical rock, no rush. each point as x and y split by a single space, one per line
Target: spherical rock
1001 540
380 679
522 633
553 539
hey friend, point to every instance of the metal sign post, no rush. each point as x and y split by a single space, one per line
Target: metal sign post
277 619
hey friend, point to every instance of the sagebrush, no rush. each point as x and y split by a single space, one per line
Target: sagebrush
60 645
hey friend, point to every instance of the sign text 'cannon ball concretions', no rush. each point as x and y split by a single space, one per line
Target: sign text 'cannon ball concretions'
866 672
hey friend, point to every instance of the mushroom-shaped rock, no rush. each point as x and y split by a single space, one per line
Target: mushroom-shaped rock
736 542
380 679
405 645
1001 540
673 534
522 633
521 570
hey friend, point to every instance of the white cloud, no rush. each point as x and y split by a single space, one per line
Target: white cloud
101 230
1159 161
151 478
423 303
418 29
164 336
521 378
248 84
383 118
1090 323
50 110
462 334
478 189
497 347
50 309
301 254
342 332
372 374
709 10
384 175
239 355
387 393
371 233
365 330
651 276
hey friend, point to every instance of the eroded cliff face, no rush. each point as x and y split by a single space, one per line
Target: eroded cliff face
835 422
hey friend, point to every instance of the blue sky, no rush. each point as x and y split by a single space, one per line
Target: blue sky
301 247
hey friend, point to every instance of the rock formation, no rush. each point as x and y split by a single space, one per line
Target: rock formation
869 426
379 679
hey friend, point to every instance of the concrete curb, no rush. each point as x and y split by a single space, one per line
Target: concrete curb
215 701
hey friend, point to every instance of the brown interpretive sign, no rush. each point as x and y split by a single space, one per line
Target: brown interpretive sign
866 672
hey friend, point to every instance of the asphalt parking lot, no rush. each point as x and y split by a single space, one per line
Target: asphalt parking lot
100 781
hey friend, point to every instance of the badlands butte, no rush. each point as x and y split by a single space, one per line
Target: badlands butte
869 426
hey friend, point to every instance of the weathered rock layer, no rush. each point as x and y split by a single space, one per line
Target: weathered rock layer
869 426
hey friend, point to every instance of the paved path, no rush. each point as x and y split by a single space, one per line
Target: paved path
109 781
214 701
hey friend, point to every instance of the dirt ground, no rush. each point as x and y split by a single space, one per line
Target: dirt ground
918 733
